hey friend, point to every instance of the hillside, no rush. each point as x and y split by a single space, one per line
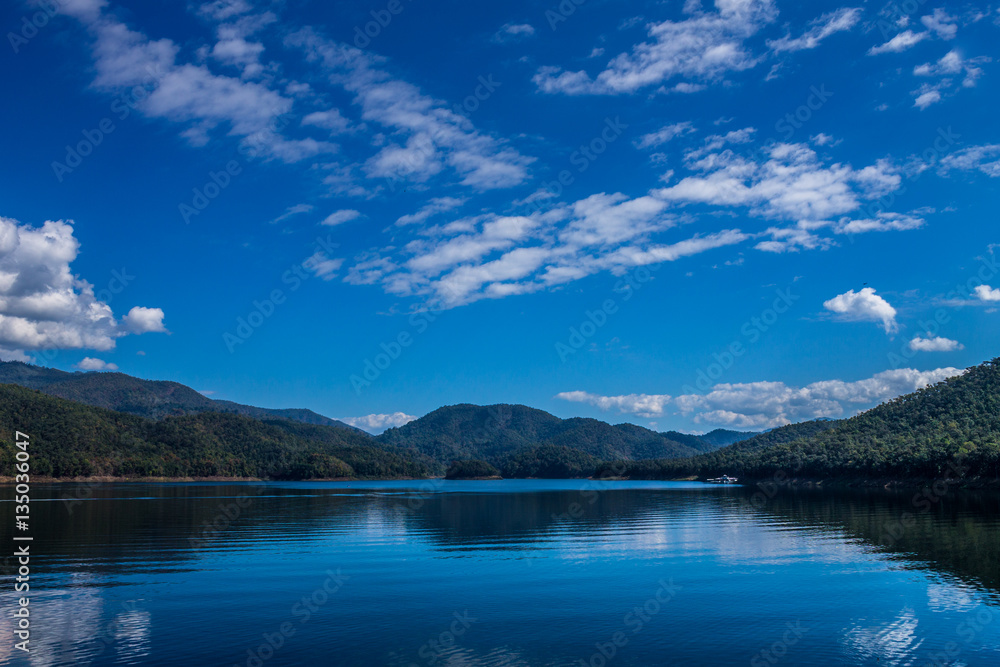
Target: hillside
950 428
70 439
154 399
493 433
721 437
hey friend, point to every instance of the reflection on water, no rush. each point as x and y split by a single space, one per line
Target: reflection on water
553 573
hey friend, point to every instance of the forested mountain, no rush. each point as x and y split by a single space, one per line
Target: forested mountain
147 398
721 437
495 432
69 439
951 428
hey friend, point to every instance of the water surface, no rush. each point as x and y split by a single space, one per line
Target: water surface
552 573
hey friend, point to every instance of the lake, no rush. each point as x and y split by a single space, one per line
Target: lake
514 572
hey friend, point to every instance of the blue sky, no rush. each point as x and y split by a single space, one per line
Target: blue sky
684 215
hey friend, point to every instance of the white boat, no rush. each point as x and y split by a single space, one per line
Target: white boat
725 479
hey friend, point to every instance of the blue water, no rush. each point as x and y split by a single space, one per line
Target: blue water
507 573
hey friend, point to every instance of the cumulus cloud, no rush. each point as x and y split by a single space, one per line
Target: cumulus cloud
93 364
863 306
700 48
828 24
640 405
144 320
761 405
934 344
376 423
772 404
987 293
43 305
14 355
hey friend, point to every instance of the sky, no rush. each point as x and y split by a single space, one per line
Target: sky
684 215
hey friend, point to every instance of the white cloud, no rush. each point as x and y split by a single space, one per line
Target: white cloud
427 137
941 24
772 404
864 306
832 22
987 293
14 355
340 217
790 182
762 405
702 47
376 423
42 303
144 320
323 266
946 70
664 134
640 405
985 158
934 344
292 211
92 364
513 32
882 222
433 207
900 42
331 120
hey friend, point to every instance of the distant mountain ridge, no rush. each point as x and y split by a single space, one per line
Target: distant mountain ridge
947 431
493 432
154 399
520 440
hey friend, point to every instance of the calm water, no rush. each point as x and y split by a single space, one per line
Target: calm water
506 573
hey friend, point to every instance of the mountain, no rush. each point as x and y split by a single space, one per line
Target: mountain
493 433
721 437
948 430
70 439
147 398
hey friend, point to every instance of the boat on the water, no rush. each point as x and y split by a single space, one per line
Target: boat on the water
725 479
